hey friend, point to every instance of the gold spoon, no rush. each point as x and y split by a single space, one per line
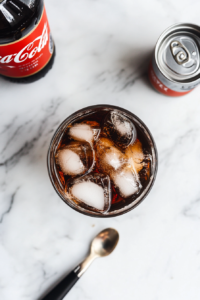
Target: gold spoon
102 245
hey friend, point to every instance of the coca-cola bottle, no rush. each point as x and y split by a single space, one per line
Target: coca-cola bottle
26 46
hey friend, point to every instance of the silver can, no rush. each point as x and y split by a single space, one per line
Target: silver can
175 66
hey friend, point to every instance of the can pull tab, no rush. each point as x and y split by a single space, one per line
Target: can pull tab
182 56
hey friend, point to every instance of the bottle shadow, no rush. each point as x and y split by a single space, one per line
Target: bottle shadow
28 136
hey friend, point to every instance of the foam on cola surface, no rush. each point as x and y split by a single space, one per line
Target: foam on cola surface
125 158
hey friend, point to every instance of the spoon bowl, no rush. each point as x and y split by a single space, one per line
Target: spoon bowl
105 242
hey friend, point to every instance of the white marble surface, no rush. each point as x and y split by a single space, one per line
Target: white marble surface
103 49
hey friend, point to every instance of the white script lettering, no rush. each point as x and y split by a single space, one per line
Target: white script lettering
25 53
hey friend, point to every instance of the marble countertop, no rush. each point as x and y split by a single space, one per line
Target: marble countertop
103 50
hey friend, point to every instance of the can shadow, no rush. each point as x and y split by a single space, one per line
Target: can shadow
134 67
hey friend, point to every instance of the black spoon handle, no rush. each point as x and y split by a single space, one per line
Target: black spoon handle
59 292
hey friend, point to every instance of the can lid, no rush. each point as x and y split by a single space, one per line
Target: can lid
178 54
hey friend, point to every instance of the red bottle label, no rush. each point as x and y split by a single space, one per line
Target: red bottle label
160 87
30 54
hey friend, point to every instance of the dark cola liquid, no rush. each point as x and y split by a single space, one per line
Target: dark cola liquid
100 116
17 19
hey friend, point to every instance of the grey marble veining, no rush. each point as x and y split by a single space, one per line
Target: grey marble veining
103 49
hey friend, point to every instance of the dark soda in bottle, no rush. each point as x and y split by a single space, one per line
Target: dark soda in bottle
26 46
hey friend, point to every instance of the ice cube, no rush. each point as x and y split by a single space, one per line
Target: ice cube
119 129
135 155
92 192
85 131
76 158
126 181
109 157
118 166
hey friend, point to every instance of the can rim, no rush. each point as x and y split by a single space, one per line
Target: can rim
170 30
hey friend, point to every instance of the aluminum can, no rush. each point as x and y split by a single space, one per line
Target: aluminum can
175 67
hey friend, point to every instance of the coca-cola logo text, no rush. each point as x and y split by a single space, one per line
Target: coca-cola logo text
29 51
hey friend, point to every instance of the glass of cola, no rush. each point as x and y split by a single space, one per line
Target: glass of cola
102 161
